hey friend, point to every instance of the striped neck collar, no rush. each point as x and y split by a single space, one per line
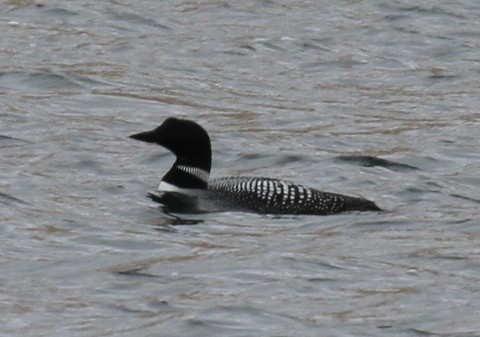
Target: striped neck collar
187 177
201 174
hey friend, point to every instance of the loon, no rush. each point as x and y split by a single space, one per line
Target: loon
186 188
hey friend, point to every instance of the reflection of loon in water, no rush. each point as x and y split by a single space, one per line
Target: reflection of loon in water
186 186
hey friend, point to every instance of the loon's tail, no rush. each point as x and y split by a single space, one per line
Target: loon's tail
359 204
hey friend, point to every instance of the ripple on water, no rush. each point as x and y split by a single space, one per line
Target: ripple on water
47 81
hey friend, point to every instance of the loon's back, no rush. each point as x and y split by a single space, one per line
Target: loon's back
186 186
272 196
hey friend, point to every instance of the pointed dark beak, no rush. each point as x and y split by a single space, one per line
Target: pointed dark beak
148 136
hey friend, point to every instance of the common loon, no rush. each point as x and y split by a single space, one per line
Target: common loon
186 186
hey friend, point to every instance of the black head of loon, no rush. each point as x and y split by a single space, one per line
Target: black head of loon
191 145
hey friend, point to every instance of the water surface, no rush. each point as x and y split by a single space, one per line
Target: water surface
358 97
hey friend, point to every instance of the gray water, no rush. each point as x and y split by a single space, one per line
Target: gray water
307 91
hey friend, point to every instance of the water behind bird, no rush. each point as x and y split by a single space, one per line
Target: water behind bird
362 98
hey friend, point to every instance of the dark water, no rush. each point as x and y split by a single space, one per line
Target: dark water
365 98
